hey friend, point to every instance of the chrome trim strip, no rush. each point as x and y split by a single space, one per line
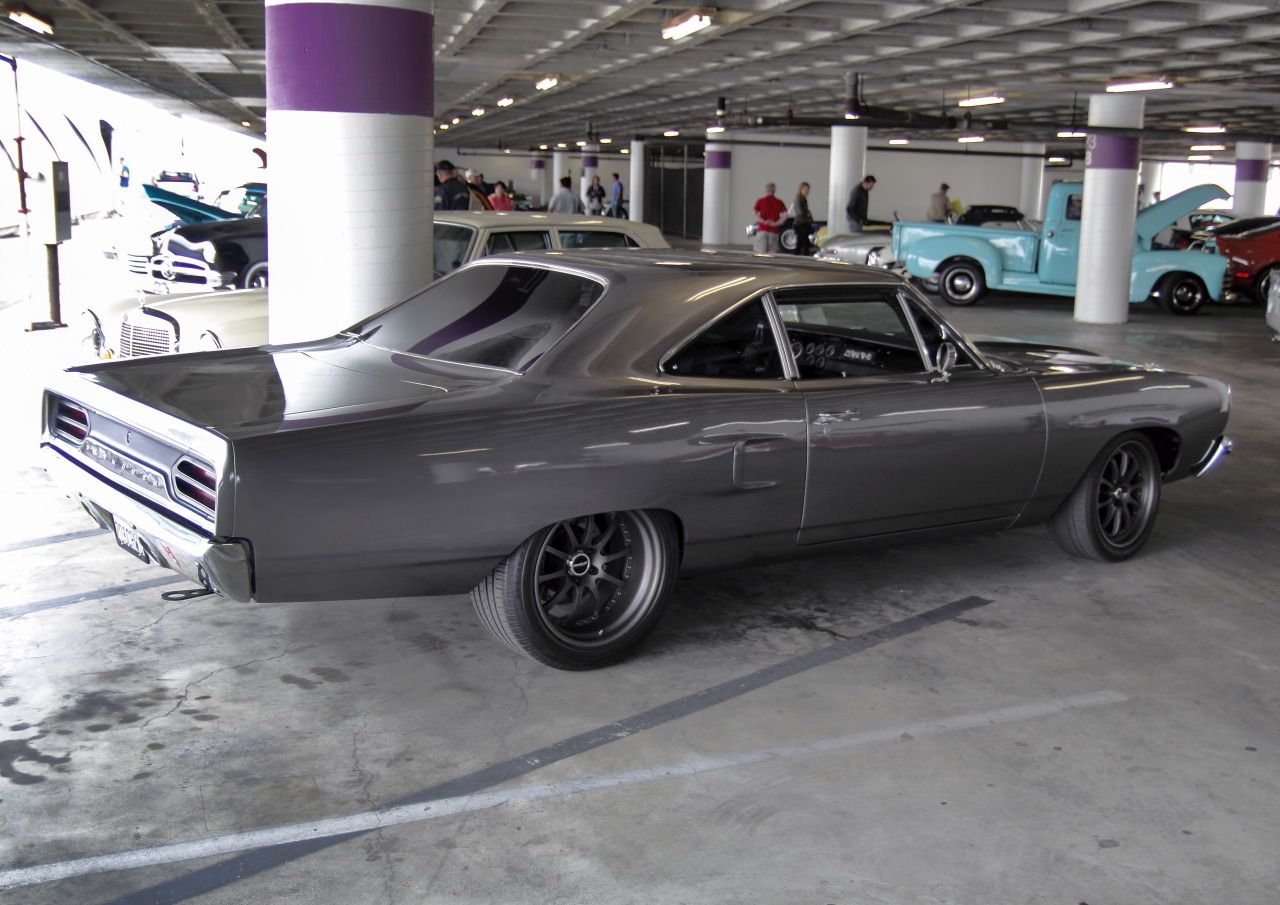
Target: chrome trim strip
1217 452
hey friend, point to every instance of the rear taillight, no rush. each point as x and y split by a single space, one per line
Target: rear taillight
70 421
196 483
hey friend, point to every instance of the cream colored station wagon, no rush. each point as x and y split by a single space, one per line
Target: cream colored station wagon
183 321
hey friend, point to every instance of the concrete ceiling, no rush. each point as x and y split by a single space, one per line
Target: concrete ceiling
775 59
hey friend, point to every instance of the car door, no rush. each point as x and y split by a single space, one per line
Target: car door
891 447
1060 242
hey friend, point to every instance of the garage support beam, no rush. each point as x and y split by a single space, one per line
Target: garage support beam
848 166
1110 211
1031 189
590 170
350 101
717 197
538 173
636 191
1252 160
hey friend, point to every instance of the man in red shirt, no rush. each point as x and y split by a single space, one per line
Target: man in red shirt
770 214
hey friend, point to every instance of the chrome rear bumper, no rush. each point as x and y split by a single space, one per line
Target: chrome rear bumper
1217 452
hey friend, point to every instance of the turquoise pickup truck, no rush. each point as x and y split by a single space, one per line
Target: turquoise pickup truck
966 261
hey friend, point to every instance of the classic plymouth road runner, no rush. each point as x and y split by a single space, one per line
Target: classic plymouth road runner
566 432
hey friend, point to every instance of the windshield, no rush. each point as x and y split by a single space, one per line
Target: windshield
451 244
498 316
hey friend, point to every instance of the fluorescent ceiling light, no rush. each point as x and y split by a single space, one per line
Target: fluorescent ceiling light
671 133
547 82
714 130
852 115
1057 160
581 144
984 101
687 23
506 101
444 127
970 139
1144 85
1208 147
1199 157
23 15
626 150
477 111
455 120
542 147
1205 130
898 141
1071 134
606 141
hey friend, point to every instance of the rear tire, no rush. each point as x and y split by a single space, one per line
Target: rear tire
962 283
1111 512
255 277
1182 293
585 592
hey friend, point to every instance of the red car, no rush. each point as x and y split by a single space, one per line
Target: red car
1255 258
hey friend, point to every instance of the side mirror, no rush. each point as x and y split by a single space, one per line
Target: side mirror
945 362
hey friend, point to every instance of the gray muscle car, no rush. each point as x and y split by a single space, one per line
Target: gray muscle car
564 433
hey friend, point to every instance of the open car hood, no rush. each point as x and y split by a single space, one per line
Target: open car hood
188 210
1167 212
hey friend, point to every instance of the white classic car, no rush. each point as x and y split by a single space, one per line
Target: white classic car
230 319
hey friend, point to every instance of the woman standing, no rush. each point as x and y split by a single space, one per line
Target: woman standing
500 200
802 220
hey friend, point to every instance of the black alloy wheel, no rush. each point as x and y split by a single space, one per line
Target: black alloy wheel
584 592
1111 512
1182 293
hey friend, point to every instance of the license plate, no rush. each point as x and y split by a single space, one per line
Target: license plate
127 537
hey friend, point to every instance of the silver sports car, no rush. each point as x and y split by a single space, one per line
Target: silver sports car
565 433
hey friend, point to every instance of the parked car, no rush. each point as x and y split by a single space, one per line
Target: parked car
788 238
564 433
1254 256
179 182
230 253
966 261
876 248
1179 234
183 322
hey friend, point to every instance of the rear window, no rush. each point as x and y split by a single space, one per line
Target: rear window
497 316
532 240
595 238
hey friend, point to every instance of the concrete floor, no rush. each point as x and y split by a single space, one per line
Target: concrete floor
1029 729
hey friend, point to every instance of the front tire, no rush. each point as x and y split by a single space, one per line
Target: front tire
1182 293
962 283
585 592
255 277
1111 512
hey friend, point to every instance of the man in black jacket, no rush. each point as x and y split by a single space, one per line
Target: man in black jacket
452 193
857 207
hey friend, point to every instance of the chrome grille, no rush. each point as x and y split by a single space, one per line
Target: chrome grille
144 334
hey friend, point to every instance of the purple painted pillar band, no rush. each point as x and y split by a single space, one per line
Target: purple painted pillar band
538 163
1112 152
1251 170
719 160
340 58
590 160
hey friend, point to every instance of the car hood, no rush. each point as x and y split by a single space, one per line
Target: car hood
1042 358
1164 213
188 210
245 392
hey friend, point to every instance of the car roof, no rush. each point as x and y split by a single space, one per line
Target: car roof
530 218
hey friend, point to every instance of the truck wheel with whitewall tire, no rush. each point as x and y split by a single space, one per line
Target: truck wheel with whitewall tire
961 283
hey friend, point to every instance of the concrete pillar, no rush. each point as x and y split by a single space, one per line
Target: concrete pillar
1252 160
538 174
636 190
1110 209
1031 187
350 101
559 170
848 166
716 197
1148 182
590 170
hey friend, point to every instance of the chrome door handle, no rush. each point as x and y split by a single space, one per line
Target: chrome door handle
832 417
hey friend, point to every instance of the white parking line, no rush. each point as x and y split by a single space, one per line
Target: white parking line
446 807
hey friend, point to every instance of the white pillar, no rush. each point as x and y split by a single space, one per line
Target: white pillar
1149 181
1110 210
559 170
1252 160
1031 187
590 170
716 197
636 204
538 173
848 166
350 95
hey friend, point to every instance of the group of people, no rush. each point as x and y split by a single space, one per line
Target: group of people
453 193
772 215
